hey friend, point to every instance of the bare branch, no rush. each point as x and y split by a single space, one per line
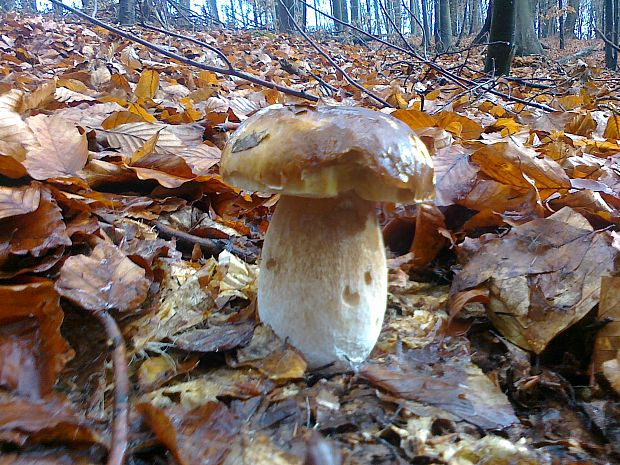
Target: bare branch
230 72
349 79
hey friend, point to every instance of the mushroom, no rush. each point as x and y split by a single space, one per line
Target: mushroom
323 276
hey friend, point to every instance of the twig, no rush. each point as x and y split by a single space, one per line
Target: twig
209 246
395 26
607 41
120 414
420 25
194 41
230 72
350 80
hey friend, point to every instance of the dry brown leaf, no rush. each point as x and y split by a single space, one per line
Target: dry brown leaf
427 241
156 371
60 150
121 117
455 175
611 370
545 270
32 350
607 343
201 158
13 129
129 137
50 419
105 280
19 200
510 163
202 435
449 381
612 130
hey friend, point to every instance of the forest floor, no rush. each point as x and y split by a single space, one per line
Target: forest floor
501 334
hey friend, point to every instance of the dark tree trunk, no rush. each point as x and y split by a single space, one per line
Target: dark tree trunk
474 25
501 38
444 26
355 12
486 27
427 33
571 19
561 24
526 39
127 12
610 57
285 24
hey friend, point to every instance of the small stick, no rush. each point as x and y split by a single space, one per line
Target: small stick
120 414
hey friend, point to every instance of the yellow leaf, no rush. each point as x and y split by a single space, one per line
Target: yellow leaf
148 84
612 130
146 149
138 110
415 119
570 102
120 117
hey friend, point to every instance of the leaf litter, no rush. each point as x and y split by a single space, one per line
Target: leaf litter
500 343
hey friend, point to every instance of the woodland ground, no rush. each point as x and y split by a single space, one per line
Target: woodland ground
500 340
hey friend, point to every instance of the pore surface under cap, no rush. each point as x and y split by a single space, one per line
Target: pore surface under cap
325 151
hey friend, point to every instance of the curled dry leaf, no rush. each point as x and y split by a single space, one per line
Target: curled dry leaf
148 84
519 167
32 350
199 436
13 129
106 280
201 158
455 175
448 380
19 200
60 150
27 240
129 137
546 270
51 419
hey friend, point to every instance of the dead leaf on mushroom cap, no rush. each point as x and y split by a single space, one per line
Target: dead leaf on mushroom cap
547 270
32 350
105 280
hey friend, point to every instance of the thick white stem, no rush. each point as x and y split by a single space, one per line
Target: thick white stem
323 278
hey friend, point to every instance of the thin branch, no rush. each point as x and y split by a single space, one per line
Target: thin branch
419 23
186 61
350 80
120 426
460 81
194 41
607 41
395 26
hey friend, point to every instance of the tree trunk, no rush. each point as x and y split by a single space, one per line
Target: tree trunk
396 12
454 19
127 12
475 24
486 27
561 24
414 8
355 12
571 19
215 16
501 37
610 61
526 40
378 27
427 33
285 24
444 26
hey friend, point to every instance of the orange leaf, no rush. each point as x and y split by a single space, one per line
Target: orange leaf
148 84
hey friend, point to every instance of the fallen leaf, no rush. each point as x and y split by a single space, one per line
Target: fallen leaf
32 350
60 150
105 280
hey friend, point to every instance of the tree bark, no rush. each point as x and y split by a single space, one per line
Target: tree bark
561 24
284 21
526 40
355 12
475 24
571 19
427 32
127 12
501 37
444 26
486 27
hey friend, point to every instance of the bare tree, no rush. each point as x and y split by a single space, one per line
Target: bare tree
526 38
443 25
501 37
571 18
127 12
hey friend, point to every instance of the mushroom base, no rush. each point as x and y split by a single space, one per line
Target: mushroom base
323 278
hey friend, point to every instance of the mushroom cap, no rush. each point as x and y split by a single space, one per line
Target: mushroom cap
325 151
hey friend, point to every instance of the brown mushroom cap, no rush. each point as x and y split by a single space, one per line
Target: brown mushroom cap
325 151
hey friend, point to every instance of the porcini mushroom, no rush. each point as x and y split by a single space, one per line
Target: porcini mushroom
323 276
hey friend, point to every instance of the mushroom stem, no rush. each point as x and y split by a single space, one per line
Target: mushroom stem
323 279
